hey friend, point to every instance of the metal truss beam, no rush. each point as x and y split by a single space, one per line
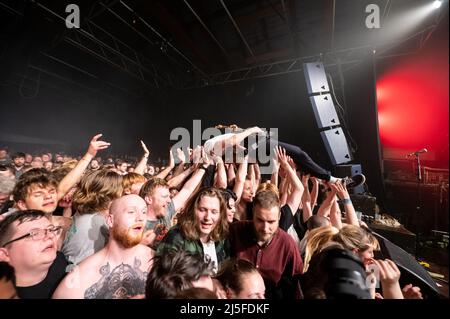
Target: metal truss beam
134 61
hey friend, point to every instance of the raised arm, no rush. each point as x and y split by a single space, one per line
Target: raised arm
240 178
257 177
237 138
314 191
325 207
140 167
176 181
306 200
179 200
275 171
294 197
343 195
74 175
163 174
181 161
220 179
335 215
231 174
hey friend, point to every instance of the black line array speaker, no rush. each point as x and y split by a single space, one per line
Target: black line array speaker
336 146
324 110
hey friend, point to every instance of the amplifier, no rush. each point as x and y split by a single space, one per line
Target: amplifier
435 175
365 204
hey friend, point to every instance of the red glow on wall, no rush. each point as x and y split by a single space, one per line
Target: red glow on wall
413 104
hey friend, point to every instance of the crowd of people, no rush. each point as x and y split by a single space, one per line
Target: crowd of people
199 227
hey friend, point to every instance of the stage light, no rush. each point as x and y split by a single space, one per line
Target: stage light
437 4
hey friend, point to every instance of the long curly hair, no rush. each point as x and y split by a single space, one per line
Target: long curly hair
97 189
188 221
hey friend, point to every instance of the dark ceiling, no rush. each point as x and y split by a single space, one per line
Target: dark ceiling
137 47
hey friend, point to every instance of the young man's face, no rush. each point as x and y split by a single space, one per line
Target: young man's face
3 154
265 222
128 220
19 161
28 254
40 198
160 200
28 158
37 162
207 215
48 166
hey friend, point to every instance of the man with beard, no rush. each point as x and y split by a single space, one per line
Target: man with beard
18 163
118 271
272 251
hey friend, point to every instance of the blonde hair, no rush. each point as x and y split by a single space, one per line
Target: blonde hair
353 237
70 164
132 178
317 238
149 187
97 189
350 237
268 187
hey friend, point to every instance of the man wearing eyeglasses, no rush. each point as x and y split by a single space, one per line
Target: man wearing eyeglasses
118 271
28 243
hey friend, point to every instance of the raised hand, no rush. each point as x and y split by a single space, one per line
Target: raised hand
205 158
197 155
171 159
389 272
144 147
292 163
282 157
148 238
305 179
276 163
411 292
181 156
339 189
95 145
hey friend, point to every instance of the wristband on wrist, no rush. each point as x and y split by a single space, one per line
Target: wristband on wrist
346 201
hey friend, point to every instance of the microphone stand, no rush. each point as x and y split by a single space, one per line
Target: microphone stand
419 199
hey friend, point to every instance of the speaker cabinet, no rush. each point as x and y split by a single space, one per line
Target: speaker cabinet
336 146
324 110
316 79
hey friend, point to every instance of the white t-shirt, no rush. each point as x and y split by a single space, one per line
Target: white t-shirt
213 144
209 249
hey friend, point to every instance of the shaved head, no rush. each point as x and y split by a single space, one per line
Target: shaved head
120 204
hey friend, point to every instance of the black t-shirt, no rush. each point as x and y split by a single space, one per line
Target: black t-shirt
287 219
45 289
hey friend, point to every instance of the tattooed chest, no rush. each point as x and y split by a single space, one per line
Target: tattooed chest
122 282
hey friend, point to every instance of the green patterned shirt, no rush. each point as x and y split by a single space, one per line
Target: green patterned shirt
174 240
